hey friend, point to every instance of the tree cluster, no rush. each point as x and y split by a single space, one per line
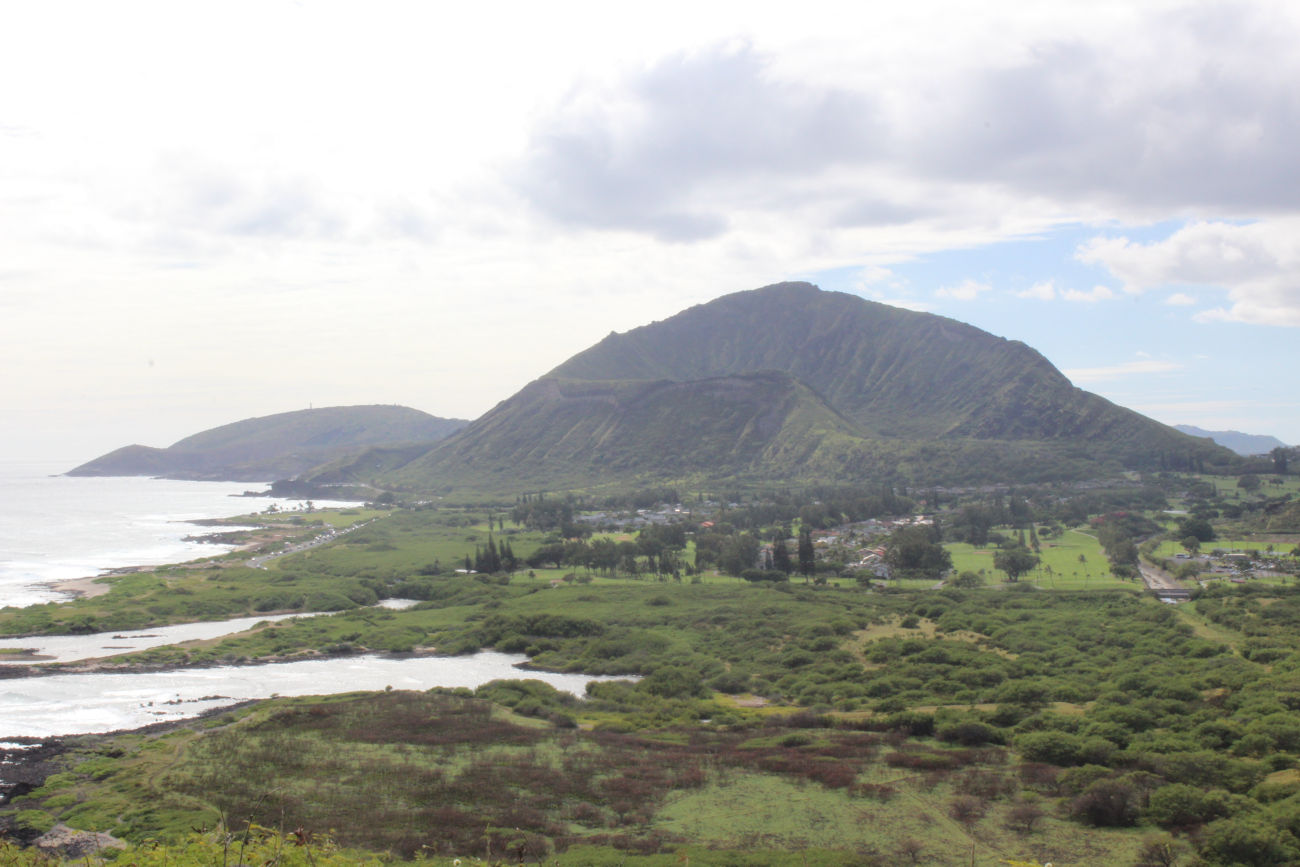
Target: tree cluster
492 558
916 552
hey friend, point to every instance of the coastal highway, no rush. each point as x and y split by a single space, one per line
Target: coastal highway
328 536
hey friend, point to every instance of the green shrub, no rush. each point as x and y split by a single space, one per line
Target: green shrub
34 820
1248 841
59 802
1180 805
1054 748
1107 803
970 733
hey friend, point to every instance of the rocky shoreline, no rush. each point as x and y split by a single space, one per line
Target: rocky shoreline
27 762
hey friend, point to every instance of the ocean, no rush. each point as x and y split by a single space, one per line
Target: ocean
55 527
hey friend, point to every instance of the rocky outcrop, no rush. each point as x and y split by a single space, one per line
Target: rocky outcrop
69 844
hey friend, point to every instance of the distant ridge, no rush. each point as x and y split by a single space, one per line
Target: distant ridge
277 446
791 383
1242 443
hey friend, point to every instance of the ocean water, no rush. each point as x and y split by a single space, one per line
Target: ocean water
55 527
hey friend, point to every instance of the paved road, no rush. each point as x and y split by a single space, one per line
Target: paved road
1157 579
327 536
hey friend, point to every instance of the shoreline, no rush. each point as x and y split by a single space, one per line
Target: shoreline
252 536
86 588
221 530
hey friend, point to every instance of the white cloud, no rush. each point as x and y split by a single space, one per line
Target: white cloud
1180 299
873 275
967 290
1043 291
579 171
1257 263
1097 293
1167 108
673 150
1120 371
1215 314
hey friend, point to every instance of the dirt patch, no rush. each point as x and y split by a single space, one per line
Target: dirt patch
84 587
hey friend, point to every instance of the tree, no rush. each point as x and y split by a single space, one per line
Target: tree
739 552
807 553
1023 816
552 554
1197 527
912 849
915 552
1192 545
967 809
1123 557
781 554
972 524
1014 561
1279 456
1249 482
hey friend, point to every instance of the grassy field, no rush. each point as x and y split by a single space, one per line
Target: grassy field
1226 486
440 776
857 726
1060 564
1279 545
772 723
909 820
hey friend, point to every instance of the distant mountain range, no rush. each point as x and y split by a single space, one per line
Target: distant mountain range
1242 443
787 383
791 383
276 446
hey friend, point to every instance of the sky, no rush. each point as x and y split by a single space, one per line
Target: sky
211 211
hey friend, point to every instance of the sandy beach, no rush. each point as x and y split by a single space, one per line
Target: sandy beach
87 587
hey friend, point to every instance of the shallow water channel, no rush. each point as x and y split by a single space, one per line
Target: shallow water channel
75 648
63 704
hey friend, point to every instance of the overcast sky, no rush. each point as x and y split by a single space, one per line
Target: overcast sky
210 211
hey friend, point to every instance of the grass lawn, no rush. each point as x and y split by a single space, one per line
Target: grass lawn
1169 548
1204 628
340 518
1227 485
1060 566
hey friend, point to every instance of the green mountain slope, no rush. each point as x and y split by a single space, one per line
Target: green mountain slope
275 446
579 433
896 372
790 383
